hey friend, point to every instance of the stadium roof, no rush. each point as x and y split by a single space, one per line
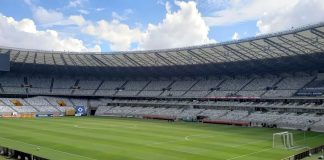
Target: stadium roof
301 46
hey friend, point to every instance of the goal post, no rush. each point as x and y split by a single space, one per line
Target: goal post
285 140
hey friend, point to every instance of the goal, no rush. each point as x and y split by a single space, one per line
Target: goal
283 140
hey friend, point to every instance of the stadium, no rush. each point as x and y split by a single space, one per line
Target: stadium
251 99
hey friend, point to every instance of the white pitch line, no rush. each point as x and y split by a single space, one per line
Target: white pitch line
186 138
49 148
200 136
244 155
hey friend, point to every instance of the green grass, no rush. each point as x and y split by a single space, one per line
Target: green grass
69 138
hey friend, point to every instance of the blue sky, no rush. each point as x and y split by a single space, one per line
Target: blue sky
123 25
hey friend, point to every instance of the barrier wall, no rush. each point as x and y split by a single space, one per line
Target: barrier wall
31 115
70 112
16 115
238 123
159 117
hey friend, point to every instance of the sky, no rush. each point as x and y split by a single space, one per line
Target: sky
128 25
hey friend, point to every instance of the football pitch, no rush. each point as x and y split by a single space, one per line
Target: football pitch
89 138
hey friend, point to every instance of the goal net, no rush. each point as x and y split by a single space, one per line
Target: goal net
283 140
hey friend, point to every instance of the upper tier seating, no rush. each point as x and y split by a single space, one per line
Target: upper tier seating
182 85
233 84
11 81
111 85
135 85
64 83
39 82
260 84
206 85
279 93
294 82
157 85
268 86
89 84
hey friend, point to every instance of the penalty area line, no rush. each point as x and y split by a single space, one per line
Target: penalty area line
244 155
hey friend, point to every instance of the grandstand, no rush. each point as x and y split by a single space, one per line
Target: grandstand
270 81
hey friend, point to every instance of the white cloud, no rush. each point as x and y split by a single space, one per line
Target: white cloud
213 5
235 36
48 17
83 11
78 20
120 36
28 2
236 11
168 7
124 16
100 9
184 27
160 2
270 16
181 28
117 16
24 34
76 3
296 14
